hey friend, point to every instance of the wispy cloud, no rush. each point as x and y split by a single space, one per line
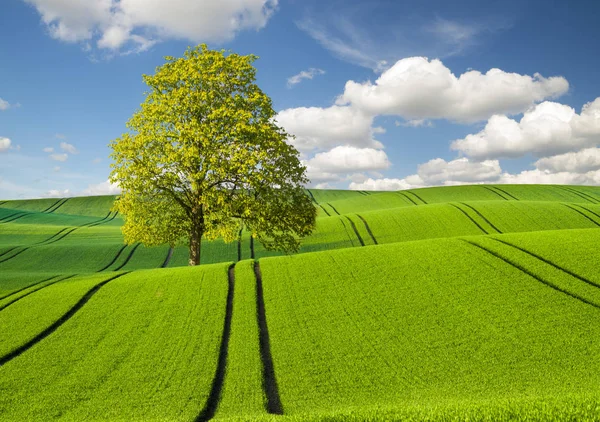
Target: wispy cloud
305 74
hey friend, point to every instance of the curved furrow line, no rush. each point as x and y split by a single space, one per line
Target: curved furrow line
9 250
360 239
364 192
312 196
11 215
239 245
588 210
505 192
212 402
270 387
482 216
579 194
328 215
346 230
59 205
2 203
2 307
114 259
581 213
469 217
417 196
251 246
333 208
168 258
407 197
368 228
529 273
541 258
104 220
26 287
53 204
493 191
128 257
52 328
15 218
586 195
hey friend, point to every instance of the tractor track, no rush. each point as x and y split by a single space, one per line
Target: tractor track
333 208
214 397
495 192
27 287
328 215
360 239
469 217
581 213
368 228
406 196
239 245
114 259
579 194
52 328
505 193
168 258
482 216
312 196
58 206
128 257
3 307
53 204
531 274
417 196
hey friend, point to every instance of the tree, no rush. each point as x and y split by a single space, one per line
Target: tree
203 157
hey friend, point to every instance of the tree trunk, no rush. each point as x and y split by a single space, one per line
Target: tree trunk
195 246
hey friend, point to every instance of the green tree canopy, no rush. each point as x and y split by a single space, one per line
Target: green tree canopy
203 157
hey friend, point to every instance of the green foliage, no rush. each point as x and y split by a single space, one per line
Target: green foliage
203 156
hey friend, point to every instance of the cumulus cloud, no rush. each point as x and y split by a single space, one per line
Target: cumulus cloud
386 184
138 24
461 170
417 88
57 193
318 128
59 157
68 148
547 129
305 74
104 188
4 105
538 176
582 161
4 144
337 163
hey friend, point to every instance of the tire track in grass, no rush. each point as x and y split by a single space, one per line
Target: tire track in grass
52 328
588 210
270 387
2 307
493 191
346 230
14 292
251 246
360 239
11 215
53 204
333 208
168 258
128 257
239 245
10 220
482 216
328 215
2 203
312 196
364 192
579 194
581 213
541 258
584 195
531 274
417 196
212 402
368 228
407 197
114 259
469 217
59 205
505 192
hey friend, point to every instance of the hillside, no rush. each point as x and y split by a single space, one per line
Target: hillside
470 302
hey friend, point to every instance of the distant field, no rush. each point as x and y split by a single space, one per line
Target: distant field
451 303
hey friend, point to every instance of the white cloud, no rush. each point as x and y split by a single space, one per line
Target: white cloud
138 24
59 157
305 74
461 170
68 148
57 193
318 128
417 88
576 162
4 144
104 188
387 184
339 162
48 150
546 129
546 177
4 105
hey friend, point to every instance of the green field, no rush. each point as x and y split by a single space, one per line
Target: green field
449 303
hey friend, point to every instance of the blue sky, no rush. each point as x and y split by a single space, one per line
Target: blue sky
387 94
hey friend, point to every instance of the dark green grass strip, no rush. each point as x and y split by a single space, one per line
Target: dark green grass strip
406 196
168 258
360 239
113 260
364 192
417 196
312 196
470 218
505 192
239 245
212 402
329 215
35 290
482 216
333 208
541 258
53 205
346 230
270 387
251 246
26 287
529 273
128 257
10 220
368 228
68 315
11 215
581 213
493 191
59 205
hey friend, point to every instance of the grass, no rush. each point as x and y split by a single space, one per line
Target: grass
451 303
